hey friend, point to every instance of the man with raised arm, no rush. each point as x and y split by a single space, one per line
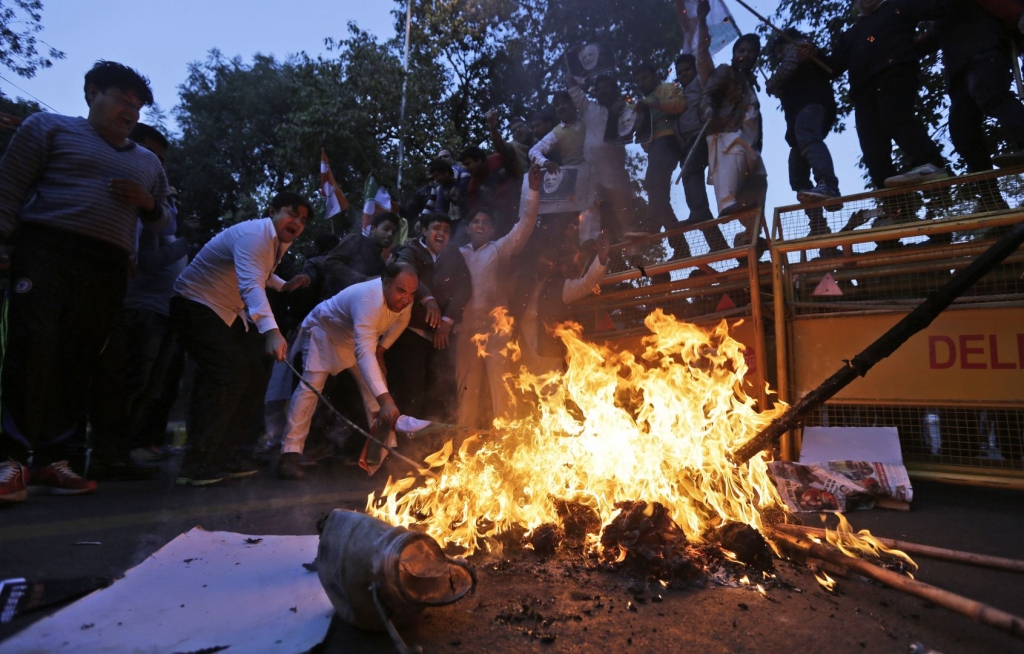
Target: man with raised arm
488 263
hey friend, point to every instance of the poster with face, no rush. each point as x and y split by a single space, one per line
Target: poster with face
588 60
630 124
567 189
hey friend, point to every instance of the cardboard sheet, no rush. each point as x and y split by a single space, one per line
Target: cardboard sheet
201 590
875 444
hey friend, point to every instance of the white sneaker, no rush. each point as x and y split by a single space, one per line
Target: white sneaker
919 175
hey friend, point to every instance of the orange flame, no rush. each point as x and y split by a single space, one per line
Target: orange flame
501 327
828 583
862 544
612 427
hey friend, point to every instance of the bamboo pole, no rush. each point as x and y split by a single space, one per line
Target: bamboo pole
940 553
982 613
886 344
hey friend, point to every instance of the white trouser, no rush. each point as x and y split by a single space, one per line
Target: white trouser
304 400
470 371
735 169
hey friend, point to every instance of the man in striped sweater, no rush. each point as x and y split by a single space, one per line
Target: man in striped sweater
71 193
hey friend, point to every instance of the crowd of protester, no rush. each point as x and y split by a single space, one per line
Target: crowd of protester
387 325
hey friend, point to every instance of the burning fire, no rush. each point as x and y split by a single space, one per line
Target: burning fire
614 427
863 545
828 583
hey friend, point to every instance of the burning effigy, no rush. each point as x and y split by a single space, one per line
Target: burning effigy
615 428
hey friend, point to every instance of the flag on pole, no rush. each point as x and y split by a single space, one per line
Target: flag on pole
374 193
336 202
721 25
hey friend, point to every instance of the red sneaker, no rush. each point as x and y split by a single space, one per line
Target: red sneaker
58 479
13 482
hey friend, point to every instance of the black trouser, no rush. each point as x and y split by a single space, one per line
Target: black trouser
155 363
421 379
232 372
66 292
663 156
981 89
885 112
108 399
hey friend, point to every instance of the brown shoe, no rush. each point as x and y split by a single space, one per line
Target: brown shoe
58 479
288 467
13 482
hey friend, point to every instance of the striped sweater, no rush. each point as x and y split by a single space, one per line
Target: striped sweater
56 172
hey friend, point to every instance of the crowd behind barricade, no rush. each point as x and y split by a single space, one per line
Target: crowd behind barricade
381 323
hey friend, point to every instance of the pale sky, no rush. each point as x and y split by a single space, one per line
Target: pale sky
160 39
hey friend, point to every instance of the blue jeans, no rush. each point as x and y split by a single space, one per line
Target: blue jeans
810 154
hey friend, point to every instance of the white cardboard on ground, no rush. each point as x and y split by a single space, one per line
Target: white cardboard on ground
252 598
875 444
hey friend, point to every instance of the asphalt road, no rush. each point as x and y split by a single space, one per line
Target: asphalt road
39 540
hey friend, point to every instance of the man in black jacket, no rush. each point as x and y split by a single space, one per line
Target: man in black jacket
357 258
879 52
421 363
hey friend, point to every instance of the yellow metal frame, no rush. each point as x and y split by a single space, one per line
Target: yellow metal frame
783 271
754 274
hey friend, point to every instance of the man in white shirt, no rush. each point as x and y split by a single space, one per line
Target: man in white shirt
351 330
222 314
488 263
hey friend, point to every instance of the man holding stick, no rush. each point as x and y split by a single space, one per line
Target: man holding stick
350 331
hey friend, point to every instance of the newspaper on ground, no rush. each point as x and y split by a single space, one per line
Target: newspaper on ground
843 469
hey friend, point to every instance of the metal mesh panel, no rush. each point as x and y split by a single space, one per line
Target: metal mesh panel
982 438
685 242
903 281
974 194
704 300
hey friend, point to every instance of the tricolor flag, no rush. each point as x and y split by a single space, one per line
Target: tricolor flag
721 25
336 202
375 194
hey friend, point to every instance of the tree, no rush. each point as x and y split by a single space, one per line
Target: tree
20 21
251 130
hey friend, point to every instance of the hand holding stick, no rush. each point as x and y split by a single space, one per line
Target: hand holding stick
818 62
418 467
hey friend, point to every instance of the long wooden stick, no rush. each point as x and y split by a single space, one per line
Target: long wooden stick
941 553
886 344
983 613
786 37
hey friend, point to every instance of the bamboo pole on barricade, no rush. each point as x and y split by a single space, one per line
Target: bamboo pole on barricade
977 611
939 553
886 344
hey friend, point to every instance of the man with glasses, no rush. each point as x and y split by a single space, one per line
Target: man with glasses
225 322
71 193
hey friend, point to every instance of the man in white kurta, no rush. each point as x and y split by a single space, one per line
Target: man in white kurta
488 263
349 331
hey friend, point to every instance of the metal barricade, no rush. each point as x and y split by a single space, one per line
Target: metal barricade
955 391
703 288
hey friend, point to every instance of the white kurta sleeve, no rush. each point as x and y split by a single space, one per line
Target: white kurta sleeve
577 289
513 242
